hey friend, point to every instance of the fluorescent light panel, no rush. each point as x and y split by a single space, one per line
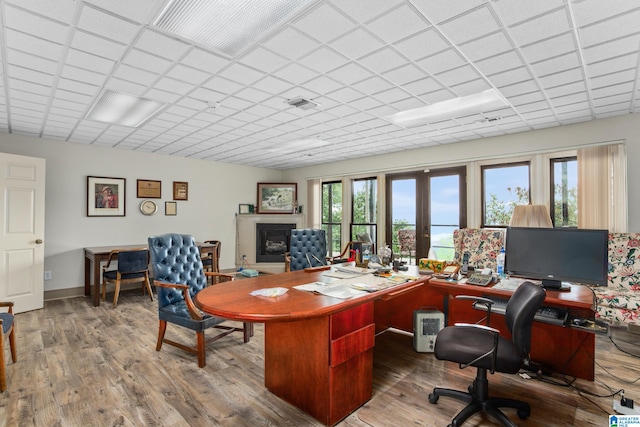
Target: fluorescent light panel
225 25
298 145
121 109
458 107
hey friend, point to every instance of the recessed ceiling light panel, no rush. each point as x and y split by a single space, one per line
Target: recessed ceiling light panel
302 103
121 109
225 25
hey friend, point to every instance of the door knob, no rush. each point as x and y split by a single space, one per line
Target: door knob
39 241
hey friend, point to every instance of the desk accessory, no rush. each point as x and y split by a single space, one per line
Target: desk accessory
249 272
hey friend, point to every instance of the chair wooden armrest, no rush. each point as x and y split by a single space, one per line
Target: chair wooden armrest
219 277
7 304
287 261
193 310
113 255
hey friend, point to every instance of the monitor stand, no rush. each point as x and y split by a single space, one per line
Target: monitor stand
556 285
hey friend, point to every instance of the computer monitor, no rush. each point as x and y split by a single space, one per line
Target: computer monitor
556 255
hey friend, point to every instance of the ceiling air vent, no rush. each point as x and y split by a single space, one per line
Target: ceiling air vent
304 104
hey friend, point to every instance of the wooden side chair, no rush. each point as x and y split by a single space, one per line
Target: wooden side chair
178 277
210 255
133 266
7 323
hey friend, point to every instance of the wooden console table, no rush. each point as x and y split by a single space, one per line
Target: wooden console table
318 349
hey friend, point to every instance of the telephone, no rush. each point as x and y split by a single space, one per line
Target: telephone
480 279
465 263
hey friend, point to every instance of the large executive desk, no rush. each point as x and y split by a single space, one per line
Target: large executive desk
318 350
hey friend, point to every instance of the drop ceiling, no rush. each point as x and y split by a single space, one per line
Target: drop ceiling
556 62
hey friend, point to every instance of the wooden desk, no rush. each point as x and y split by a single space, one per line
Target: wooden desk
318 350
564 349
94 256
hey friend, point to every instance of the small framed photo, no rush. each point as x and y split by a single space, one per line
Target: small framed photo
147 189
244 209
105 196
170 208
277 198
180 190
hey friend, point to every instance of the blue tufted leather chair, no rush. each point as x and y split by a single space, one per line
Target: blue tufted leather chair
178 277
308 248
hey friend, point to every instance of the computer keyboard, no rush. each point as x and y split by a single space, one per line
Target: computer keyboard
546 314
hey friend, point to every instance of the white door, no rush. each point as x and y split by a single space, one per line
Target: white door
22 182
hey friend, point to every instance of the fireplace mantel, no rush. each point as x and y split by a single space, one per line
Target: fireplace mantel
246 238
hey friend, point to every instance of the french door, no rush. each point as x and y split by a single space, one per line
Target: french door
422 210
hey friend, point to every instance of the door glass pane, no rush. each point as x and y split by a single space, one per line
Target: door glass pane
564 174
364 207
403 216
332 215
444 203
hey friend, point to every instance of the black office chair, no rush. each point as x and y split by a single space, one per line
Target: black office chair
484 348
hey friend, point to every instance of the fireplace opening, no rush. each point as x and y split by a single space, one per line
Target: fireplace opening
272 241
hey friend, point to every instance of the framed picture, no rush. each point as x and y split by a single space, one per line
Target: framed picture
170 208
180 190
105 196
276 198
244 209
147 189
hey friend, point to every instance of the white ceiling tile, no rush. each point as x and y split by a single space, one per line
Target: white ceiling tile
72 96
442 61
612 49
372 85
513 12
345 94
172 85
555 46
350 73
610 29
440 10
391 95
589 12
322 84
140 11
323 60
364 10
161 45
470 87
383 60
262 59
357 43
188 74
295 73
519 88
30 75
221 85
73 73
620 63
135 75
96 45
97 22
324 23
458 75
33 45
241 74
613 78
561 78
272 85
35 25
488 46
398 24
290 43
510 77
576 87
543 27
89 62
423 44
60 10
556 64
161 96
472 25
204 61
252 95
499 63
29 86
405 74
423 86
21 59
146 61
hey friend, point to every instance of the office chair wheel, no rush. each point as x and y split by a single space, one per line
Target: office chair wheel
523 414
433 398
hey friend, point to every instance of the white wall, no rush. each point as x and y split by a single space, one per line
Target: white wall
215 190
621 128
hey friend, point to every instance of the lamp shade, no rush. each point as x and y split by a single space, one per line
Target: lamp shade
531 216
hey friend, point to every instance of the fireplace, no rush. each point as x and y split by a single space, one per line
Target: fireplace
272 241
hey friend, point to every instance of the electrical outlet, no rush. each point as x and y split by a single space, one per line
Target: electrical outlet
625 406
244 257
47 275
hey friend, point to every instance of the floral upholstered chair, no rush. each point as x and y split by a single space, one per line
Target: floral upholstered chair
619 302
482 244
407 243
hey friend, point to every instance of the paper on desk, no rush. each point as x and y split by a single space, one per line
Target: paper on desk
340 291
269 292
311 287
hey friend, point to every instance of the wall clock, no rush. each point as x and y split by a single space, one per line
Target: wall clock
148 207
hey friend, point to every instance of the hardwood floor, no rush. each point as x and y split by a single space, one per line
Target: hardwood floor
85 366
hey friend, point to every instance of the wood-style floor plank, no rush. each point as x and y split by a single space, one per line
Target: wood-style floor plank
79 365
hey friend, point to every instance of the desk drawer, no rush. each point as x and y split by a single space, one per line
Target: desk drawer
352 344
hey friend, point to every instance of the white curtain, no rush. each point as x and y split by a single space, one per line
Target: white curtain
313 210
602 188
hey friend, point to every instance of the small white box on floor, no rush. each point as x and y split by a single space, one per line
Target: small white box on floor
426 325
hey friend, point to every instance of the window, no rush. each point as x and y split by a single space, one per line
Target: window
503 187
564 192
332 215
364 209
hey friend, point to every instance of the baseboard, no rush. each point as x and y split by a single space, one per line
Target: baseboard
63 293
